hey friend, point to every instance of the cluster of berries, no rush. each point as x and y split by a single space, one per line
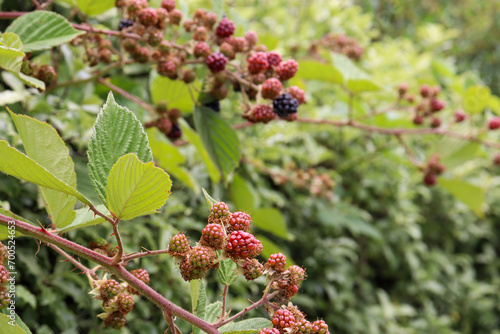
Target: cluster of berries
117 298
428 106
318 184
226 232
339 43
97 48
4 278
289 320
45 72
433 169
167 122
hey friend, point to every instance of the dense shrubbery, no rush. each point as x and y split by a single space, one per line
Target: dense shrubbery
384 253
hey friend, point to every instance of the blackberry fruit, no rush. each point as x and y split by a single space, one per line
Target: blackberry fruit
240 221
213 235
262 113
176 132
125 23
202 257
303 327
277 262
253 269
115 320
285 104
225 28
216 62
4 297
242 245
286 70
319 327
283 319
201 50
190 272
179 245
271 88
125 303
257 63
269 331
274 58
109 289
297 93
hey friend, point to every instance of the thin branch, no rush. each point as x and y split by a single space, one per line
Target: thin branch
135 99
147 253
37 5
262 301
118 256
71 259
408 151
242 81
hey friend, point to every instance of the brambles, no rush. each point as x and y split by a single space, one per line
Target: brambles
213 235
285 105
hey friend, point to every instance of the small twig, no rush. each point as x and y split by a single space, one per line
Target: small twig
37 5
118 257
135 99
144 254
71 259
224 296
99 213
242 81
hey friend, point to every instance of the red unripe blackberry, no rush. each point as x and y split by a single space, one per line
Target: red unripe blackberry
435 122
200 34
201 49
437 105
176 132
115 320
239 44
402 88
269 331
162 17
155 37
274 58
216 62
175 16
240 221
168 5
319 327
179 245
225 28
47 74
202 257
141 54
141 274
494 123
460 115
418 120
219 210
148 17
199 15
135 6
257 63
190 272
262 113
430 179
109 289
284 105
125 303
496 159
303 327
277 262
283 319
105 56
252 38
253 269
271 88
410 98
167 68
209 20
286 70
243 245
213 235
4 297
4 274
425 90
297 93
259 78
291 290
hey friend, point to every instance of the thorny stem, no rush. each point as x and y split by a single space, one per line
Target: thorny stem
144 254
262 301
224 296
42 234
118 257
124 93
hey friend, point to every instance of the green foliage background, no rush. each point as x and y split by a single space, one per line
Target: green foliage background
385 255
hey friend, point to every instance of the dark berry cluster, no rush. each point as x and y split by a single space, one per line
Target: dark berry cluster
44 72
432 170
427 107
168 122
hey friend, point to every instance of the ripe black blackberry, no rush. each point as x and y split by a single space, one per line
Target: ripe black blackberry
285 105
125 23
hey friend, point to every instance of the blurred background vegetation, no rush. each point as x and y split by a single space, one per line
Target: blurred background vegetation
383 253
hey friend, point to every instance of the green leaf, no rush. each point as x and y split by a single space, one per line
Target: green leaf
471 195
270 220
201 306
476 98
117 131
214 311
10 326
173 92
136 188
456 157
95 7
11 57
243 195
195 140
219 139
24 294
17 164
42 29
356 80
209 198
314 70
170 159
195 286
43 144
227 272
22 325
248 326
31 81
217 7
85 217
